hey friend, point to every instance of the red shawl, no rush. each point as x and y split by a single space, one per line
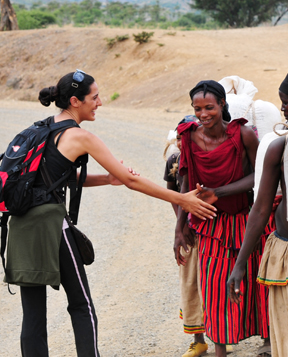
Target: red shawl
215 168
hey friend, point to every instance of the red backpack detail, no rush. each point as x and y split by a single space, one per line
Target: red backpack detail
20 164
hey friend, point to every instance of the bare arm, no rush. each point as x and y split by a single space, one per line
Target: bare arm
86 142
245 184
104 179
96 180
183 236
259 214
171 185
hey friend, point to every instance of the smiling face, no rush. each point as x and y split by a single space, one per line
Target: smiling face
90 104
179 141
207 109
284 104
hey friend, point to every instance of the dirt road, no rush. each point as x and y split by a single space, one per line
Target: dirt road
134 280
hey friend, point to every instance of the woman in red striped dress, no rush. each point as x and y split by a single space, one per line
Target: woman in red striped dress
218 157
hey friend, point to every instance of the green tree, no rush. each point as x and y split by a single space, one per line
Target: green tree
66 13
90 5
155 12
8 20
53 5
87 17
238 13
188 20
36 5
117 13
34 19
281 11
88 13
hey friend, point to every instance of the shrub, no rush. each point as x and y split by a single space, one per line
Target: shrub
110 42
34 19
189 20
171 33
122 38
115 96
143 37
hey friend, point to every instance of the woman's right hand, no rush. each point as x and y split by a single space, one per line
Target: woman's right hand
198 207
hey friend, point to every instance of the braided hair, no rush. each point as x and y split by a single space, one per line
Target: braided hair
217 90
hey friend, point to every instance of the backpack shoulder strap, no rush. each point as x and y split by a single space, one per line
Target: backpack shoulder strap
69 123
71 174
76 190
4 234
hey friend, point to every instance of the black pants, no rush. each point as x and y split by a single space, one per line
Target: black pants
80 307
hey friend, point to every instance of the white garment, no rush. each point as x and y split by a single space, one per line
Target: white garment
171 143
239 96
237 85
261 151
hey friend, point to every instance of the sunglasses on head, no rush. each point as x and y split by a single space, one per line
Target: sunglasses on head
78 76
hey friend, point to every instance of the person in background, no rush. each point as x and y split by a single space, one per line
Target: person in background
218 157
191 304
273 268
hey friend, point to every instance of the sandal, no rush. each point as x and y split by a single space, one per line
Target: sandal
264 351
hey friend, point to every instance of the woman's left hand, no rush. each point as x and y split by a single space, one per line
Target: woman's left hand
206 194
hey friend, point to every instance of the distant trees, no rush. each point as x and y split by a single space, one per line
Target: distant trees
34 19
239 13
116 13
8 20
206 14
281 11
112 13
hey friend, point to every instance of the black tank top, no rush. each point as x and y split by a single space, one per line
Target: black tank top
57 165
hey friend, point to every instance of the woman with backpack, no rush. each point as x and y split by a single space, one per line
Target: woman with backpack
41 250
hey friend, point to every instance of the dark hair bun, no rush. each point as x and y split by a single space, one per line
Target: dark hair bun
48 95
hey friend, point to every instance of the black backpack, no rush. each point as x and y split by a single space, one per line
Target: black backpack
21 162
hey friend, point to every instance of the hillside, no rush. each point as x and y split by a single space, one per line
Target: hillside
157 75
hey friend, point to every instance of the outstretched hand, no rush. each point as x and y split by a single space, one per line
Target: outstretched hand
233 285
197 206
115 182
206 194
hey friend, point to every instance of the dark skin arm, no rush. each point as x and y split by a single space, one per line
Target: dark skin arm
245 184
259 214
183 234
210 195
187 232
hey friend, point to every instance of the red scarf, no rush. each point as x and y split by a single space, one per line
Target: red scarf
215 168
